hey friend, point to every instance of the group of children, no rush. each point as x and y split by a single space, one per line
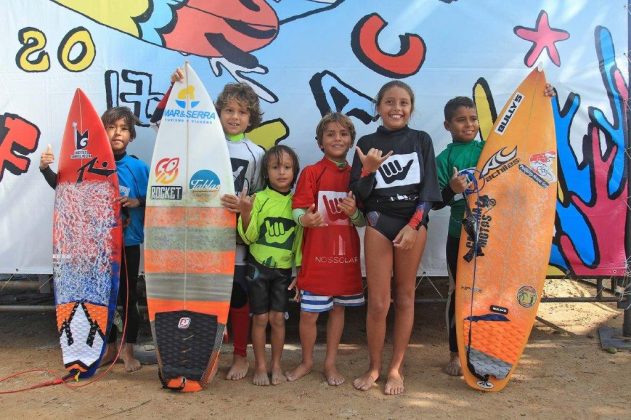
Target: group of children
392 184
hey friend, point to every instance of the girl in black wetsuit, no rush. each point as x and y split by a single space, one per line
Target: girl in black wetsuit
394 177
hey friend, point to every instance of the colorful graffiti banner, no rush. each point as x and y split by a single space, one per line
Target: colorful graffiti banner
306 57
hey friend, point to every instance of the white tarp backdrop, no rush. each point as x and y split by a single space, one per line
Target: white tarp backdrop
307 56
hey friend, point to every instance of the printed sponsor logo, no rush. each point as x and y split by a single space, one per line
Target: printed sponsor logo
542 164
484 384
329 207
399 170
166 193
337 260
499 163
186 95
473 289
533 175
508 115
278 232
81 142
166 170
184 323
485 202
499 309
395 170
187 113
483 222
527 296
204 184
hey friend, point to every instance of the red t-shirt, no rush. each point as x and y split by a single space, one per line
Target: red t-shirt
330 254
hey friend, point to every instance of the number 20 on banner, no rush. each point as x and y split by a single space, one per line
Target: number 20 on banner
75 53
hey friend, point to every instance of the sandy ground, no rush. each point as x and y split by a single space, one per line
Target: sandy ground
564 373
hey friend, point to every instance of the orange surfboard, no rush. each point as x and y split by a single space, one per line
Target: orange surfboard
506 238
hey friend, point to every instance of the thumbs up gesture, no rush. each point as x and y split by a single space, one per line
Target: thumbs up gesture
372 160
458 183
348 204
312 218
46 158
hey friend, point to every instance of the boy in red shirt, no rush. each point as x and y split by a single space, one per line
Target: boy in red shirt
330 276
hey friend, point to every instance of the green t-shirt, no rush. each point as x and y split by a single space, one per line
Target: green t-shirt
274 238
461 155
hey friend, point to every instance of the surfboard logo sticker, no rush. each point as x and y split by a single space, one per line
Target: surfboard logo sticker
185 110
508 115
498 162
204 185
485 384
184 323
533 175
541 163
186 95
166 170
527 296
81 142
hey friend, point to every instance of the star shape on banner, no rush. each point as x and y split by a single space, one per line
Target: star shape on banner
542 37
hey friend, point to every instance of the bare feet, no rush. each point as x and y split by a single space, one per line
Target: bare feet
394 383
239 368
301 370
277 376
110 355
333 377
366 381
127 355
260 377
453 368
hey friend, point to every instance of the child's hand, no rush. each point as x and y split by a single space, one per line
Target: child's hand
458 183
348 204
294 285
312 218
128 202
372 160
549 90
177 75
47 158
406 238
238 204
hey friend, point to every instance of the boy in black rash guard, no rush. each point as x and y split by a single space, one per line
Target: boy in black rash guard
394 176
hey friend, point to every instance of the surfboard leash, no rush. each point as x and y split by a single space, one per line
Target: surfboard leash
72 376
472 223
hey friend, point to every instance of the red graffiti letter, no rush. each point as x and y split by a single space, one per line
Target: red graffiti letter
366 47
17 135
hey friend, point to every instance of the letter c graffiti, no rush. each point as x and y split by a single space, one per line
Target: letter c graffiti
365 45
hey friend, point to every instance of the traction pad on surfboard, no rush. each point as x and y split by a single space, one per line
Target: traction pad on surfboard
186 341
488 365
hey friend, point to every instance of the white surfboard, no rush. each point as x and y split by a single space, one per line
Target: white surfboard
189 237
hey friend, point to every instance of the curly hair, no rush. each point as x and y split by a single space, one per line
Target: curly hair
246 97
